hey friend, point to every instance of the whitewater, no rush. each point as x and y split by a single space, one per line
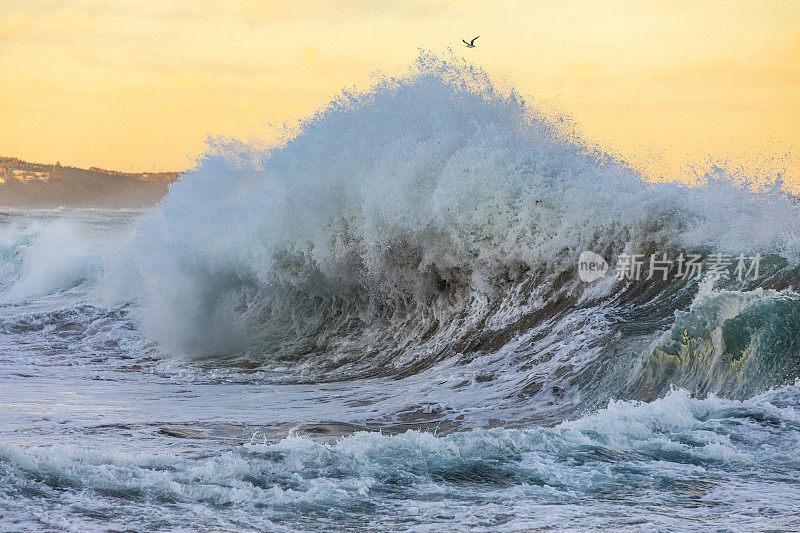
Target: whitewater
375 322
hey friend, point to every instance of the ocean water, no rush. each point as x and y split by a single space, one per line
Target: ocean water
376 323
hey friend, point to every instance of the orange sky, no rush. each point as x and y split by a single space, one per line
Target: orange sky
140 83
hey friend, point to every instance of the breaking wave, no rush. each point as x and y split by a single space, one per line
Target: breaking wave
405 262
433 217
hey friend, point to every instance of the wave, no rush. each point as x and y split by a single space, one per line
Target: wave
669 462
45 253
730 342
430 217
432 220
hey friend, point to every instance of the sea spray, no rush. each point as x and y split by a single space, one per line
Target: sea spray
428 217
378 322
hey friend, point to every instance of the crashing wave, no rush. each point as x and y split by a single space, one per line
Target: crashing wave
431 218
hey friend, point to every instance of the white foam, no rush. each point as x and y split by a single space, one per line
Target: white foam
387 193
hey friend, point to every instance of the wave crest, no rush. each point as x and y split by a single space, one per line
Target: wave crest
429 217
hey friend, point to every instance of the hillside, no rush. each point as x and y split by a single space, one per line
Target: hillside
24 184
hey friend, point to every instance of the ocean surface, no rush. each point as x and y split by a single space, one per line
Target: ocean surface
377 324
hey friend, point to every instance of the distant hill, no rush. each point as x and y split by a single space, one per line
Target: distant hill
24 184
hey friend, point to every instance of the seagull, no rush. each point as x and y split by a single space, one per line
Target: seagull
470 44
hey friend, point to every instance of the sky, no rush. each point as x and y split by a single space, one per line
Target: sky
667 85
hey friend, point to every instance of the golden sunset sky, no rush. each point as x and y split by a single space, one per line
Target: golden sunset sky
141 83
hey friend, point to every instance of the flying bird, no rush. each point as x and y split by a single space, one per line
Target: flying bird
470 44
